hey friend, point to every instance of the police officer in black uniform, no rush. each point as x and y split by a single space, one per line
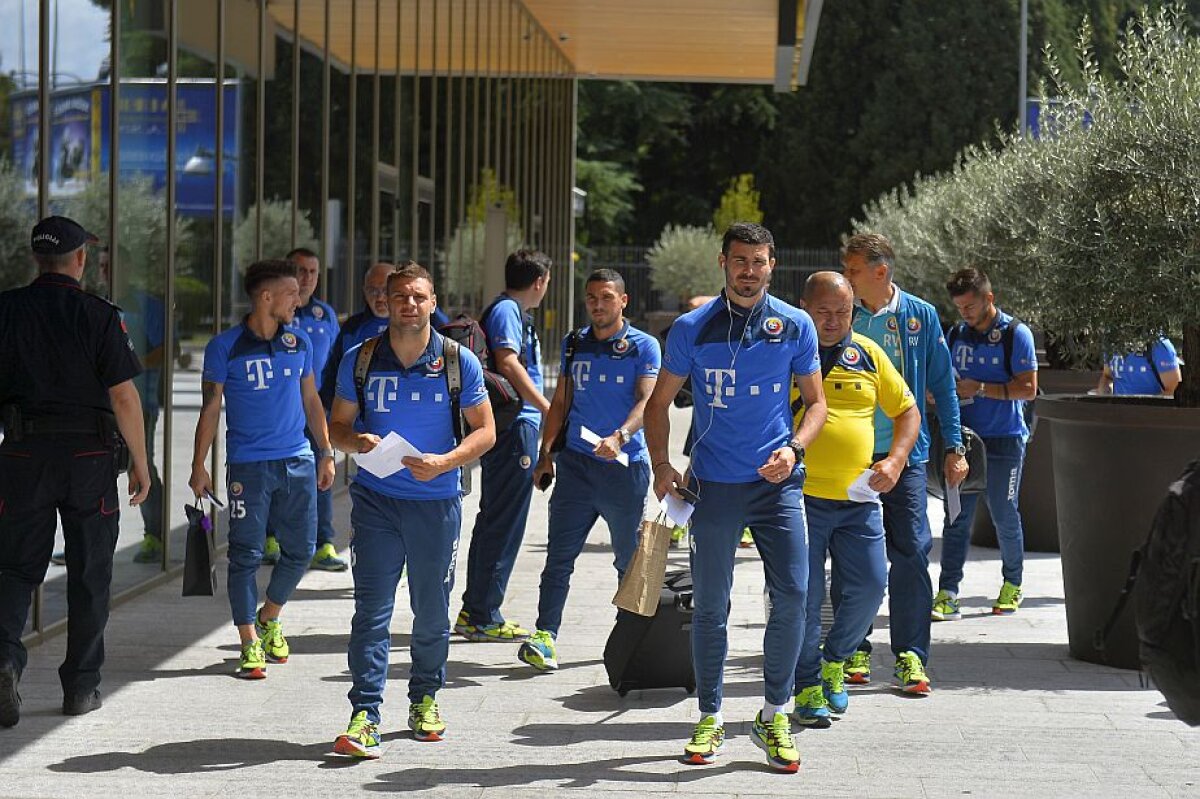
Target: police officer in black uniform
72 419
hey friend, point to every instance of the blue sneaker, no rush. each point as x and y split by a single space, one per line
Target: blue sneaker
833 685
812 708
539 651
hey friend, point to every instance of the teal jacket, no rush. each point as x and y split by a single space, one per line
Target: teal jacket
926 367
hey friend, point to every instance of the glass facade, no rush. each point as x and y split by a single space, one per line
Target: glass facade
196 138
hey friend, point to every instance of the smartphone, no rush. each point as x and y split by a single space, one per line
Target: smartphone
213 498
545 482
690 496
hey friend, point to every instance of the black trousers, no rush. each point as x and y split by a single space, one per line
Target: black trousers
41 478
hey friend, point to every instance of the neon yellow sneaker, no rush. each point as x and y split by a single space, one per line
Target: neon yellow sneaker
270 555
775 738
678 537
326 559
539 651
361 738
150 550
1009 600
425 721
270 632
945 607
858 668
747 539
910 674
253 663
503 633
707 738
812 708
833 682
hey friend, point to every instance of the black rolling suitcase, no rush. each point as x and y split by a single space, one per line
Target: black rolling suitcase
654 652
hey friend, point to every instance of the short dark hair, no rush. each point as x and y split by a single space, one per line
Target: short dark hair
967 280
607 276
523 267
260 272
409 270
875 247
747 233
301 252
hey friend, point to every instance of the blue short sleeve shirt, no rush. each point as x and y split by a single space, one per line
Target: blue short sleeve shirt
508 328
741 366
264 407
604 375
413 402
980 356
319 321
1138 372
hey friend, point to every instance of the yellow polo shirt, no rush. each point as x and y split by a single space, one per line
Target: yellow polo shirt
862 378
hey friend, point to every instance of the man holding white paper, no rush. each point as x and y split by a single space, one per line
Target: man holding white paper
413 380
845 516
609 369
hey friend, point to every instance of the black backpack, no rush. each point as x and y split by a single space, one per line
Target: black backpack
1164 581
506 402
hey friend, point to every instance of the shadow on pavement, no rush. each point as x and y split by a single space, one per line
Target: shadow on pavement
188 757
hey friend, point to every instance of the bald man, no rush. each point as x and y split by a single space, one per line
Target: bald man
847 523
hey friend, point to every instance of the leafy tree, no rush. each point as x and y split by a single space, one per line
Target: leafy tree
610 187
683 262
276 232
17 216
739 203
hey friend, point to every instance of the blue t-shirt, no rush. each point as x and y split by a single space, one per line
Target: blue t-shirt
1137 372
145 321
507 328
414 403
605 375
980 356
264 409
741 365
319 321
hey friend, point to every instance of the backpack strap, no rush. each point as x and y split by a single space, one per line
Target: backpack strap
1154 366
525 329
560 438
450 349
362 368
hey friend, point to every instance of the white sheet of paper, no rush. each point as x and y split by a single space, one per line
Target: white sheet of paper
590 437
388 456
953 504
676 510
859 491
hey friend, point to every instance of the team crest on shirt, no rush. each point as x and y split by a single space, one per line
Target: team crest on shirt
318 312
436 365
851 356
772 325
621 346
892 325
914 324
235 489
288 339
995 335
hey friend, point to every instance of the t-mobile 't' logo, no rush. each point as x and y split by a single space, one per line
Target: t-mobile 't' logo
259 372
582 372
381 388
715 384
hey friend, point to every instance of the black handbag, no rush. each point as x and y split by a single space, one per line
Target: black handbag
200 557
976 482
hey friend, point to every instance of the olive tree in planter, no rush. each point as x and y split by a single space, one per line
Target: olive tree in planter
683 264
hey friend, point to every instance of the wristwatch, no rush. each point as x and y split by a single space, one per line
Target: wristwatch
324 453
624 434
797 450
959 450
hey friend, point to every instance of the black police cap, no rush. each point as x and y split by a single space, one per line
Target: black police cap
58 235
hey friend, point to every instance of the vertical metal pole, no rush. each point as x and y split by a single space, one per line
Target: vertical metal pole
260 129
1023 71
326 255
396 118
375 147
351 150
295 123
573 115
114 149
415 220
219 202
462 140
44 115
448 157
168 371
433 132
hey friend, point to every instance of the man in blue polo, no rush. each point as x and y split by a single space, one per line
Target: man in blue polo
995 381
600 397
742 351
1152 369
908 330
507 468
408 516
319 322
263 370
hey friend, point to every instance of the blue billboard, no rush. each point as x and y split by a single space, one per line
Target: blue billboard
80 146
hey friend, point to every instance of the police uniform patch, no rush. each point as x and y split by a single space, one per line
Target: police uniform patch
621 346
995 335
772 325
235 489
288 339
914 324
526 461
436 365
318 312
891 324
851 356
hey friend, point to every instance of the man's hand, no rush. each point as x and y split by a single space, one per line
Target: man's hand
545 466
609 448
326 467
665 480
887 474
139 484
427 467
955 469
967 388
779 466
366 442
199 482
